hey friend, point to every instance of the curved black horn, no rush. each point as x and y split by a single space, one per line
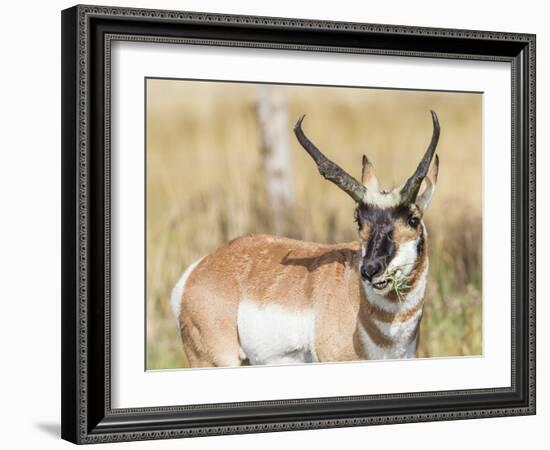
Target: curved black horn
412 186
328 169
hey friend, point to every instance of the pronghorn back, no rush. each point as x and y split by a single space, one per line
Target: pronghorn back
263 281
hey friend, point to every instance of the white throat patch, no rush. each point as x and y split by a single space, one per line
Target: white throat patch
401 333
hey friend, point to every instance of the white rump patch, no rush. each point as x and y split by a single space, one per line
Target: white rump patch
177 292
272 334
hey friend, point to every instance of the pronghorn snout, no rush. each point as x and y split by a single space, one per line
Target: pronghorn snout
370 269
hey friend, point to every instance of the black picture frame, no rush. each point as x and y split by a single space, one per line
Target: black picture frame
87 33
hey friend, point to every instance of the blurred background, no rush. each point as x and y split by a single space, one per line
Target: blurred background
222 161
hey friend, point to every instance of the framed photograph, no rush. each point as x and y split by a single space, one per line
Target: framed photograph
280 224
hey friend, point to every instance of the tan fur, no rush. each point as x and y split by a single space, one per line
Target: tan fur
420 265
373 311
423 200
378 337
294 275
364 232
403 233
368 176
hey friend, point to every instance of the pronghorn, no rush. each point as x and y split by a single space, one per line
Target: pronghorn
272 300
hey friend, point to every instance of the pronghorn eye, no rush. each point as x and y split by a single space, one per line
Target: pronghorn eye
413 221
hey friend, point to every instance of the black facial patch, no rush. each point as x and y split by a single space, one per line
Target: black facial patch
376 216
381 247
420 245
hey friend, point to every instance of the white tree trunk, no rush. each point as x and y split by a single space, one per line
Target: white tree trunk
276 156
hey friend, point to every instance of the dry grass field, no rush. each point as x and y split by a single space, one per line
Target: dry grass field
204 187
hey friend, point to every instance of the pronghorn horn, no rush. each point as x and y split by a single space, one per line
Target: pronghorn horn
412 186
330 170
368 177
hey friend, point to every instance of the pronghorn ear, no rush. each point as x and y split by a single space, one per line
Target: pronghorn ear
368 177
423 200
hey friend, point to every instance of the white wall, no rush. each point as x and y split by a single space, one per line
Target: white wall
30 225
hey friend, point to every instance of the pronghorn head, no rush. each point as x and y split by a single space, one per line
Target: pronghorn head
390 225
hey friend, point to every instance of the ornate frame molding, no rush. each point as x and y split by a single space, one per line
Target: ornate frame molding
87 421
